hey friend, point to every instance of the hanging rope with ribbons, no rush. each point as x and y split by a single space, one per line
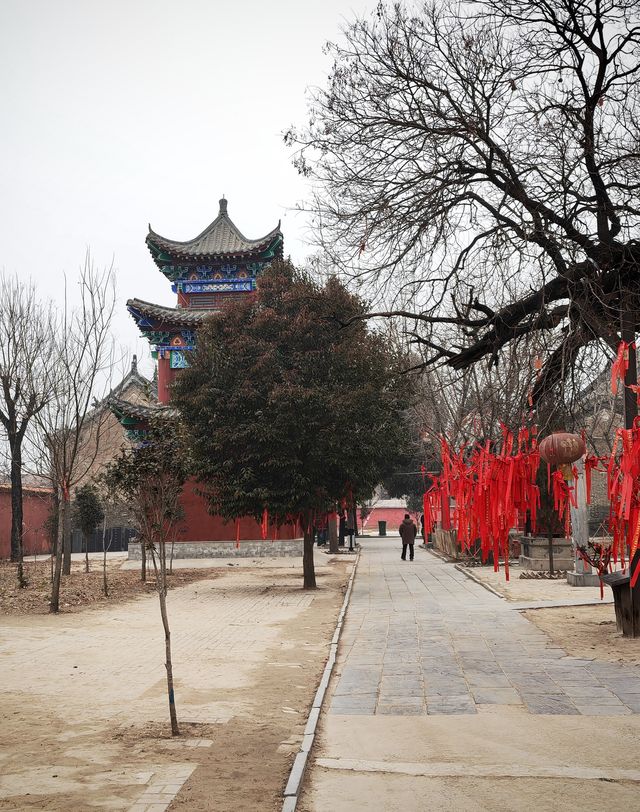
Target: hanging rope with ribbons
492 488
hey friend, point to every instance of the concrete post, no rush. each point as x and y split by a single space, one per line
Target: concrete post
582 574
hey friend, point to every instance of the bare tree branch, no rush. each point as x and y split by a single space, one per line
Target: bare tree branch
475 165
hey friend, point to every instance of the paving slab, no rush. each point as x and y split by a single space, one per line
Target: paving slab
432 621
463 677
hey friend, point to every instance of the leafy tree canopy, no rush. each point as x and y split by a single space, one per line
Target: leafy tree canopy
150 477
88 511
287 410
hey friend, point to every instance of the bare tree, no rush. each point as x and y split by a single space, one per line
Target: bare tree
25 383
70 429
481 161
151 478
106 545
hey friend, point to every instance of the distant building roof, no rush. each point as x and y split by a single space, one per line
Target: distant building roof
33 489
140 411
134 377
390 504
222 239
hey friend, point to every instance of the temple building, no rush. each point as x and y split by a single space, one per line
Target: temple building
217 266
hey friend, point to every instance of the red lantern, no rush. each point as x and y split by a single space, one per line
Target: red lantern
562 448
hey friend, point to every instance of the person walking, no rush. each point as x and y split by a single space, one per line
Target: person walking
408 532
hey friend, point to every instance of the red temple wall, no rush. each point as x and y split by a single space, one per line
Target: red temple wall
35 506
392 516
200 525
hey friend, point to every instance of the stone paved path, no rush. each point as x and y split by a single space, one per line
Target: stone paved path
421 638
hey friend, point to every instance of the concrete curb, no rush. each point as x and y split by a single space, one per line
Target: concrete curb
442 556
522 606
294 783
477 580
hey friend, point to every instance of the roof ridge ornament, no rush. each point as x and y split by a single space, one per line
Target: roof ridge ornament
223 205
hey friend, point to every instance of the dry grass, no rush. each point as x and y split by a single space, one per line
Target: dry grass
79 590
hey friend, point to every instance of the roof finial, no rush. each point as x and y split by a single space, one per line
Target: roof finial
223 205
134 364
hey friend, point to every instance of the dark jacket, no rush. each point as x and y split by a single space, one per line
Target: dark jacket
408 531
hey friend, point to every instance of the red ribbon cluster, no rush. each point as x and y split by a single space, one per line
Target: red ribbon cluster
491 490
620 365
623 491
564 498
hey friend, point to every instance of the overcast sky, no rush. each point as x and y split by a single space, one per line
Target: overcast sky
121 113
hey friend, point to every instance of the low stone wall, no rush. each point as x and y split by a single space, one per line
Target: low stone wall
227 549
535 553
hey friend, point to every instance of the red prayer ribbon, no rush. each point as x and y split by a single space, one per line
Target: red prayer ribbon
491 489
620 365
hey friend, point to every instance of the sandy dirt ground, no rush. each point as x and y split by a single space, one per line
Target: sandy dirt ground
588 632
83 695
521 590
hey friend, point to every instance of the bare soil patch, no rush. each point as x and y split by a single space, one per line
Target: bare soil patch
587 632
80 590
525 590
84 711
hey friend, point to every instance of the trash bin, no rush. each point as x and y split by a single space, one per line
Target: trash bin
382 528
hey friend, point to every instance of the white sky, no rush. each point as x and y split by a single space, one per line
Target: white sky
123 112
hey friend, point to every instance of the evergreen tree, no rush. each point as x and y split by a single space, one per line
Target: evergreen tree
151 477
292 403
88 513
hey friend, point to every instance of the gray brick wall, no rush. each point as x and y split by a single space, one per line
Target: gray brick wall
227 549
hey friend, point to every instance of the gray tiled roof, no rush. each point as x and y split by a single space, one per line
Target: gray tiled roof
222 237
179 316
140 411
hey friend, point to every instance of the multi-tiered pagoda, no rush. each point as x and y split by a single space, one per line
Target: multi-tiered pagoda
217 266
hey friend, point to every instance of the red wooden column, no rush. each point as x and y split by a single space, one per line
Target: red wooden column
166 376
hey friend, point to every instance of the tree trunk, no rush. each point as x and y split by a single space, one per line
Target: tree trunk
143 553
86 551
333 532
66 543
54 606
631 375
161 585
53 544
308 568
105 585
16 508
52 530
163 563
